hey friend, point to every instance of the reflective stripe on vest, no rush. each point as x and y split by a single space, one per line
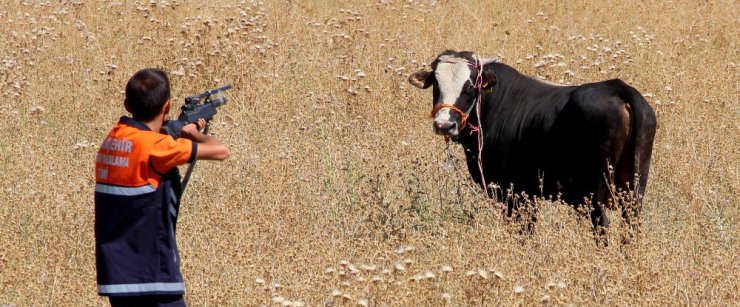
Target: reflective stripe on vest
141 288
123 191
173 202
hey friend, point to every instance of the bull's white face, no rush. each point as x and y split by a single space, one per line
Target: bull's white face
454 78
452 74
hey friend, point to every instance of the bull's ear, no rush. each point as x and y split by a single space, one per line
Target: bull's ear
421 79
489 79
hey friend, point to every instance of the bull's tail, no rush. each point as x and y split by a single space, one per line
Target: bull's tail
640 150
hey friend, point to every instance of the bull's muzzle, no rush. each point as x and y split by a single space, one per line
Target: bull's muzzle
445 127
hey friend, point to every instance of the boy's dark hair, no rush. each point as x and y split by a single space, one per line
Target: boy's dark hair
146 93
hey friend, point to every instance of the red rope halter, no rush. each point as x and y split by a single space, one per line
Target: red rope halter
463 116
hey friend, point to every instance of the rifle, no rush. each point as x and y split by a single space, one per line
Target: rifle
199 106
196 107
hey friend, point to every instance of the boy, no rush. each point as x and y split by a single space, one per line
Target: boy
137 197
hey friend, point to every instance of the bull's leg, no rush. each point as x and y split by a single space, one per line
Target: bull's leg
589 196
591 206
521 209
631 180
599 219
530 213
591 183
632 187
630 199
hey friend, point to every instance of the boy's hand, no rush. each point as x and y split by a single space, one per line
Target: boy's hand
192 131
209 148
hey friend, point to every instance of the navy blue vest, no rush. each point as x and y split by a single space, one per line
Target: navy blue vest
135 248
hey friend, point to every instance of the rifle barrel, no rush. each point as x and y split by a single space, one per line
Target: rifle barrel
215 91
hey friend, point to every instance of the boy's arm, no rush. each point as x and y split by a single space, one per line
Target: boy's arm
209 148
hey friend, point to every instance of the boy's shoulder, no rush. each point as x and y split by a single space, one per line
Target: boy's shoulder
133 130
129 130
133 139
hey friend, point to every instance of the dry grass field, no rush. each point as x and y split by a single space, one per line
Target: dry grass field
337 193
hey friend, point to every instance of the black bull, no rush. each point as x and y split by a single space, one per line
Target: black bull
573 137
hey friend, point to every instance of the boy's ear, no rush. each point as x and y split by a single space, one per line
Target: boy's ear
125 105
167 106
